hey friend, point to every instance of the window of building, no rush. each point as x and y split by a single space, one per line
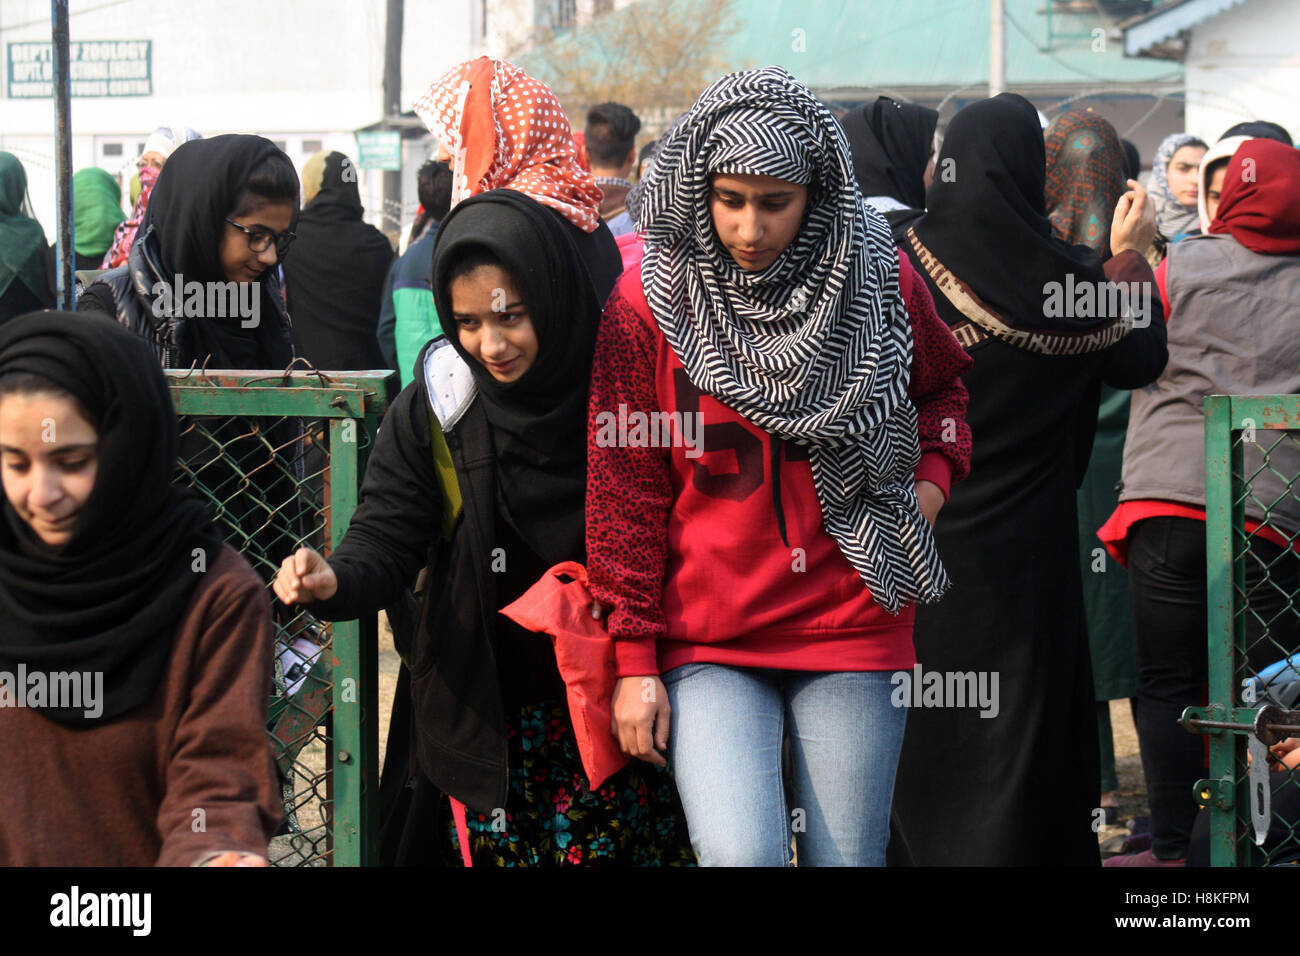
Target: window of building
112 149
311 147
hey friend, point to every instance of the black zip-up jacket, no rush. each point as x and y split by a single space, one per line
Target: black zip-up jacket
459 729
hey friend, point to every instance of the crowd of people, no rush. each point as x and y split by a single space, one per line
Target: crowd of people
914 385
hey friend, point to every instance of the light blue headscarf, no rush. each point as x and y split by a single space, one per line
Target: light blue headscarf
1172 217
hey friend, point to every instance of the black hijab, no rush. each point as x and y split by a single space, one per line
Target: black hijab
539 422
111 599
986 243
891 144
1259 129
336 275
183 225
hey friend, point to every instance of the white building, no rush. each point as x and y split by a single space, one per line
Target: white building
304 73
1242 59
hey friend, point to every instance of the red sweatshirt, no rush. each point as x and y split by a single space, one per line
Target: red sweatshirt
684 543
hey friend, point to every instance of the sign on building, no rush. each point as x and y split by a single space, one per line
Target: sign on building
98 68
380 149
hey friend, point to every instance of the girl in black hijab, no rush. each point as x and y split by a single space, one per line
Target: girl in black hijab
1017 783
114 579
202 286
893 157
201 283
479 472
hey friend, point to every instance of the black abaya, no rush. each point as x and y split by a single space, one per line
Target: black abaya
1019 787
335 277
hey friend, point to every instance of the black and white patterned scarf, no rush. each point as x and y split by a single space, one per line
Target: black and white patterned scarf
815 348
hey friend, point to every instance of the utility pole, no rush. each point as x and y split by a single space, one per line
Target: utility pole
63 152
391 221
998 48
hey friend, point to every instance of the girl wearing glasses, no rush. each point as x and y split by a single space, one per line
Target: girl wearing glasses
201 286
222 213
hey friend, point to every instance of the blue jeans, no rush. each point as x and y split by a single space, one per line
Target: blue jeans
724 748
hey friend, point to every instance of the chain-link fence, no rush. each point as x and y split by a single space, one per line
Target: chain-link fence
279 456
1252 447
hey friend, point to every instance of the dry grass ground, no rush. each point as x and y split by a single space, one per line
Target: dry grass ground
389 663
1128 765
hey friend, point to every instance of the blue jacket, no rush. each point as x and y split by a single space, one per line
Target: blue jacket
407 317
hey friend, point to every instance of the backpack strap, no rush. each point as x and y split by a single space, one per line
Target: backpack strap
447 483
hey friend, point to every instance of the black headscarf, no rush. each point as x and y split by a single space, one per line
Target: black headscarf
186 218
336 275
109 600
986 242
891 144
1259 129
539 422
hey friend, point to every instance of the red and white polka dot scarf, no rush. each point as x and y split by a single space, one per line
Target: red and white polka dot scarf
505 129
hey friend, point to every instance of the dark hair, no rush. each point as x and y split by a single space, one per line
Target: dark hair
470 257
1214 167
647 155
1131 159
29 383
611 134
433 186
467 258
272 180
1260 129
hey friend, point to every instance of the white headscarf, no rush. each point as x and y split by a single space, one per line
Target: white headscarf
1223 149
165 139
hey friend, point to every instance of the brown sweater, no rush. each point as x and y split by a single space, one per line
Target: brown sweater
129 792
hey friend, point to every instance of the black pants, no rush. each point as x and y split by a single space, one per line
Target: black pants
1167 579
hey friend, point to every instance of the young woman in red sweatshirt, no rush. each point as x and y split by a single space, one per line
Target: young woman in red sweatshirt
776 416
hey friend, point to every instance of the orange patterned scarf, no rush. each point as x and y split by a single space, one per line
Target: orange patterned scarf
505 129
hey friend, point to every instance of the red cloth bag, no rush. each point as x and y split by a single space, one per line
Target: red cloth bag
585 655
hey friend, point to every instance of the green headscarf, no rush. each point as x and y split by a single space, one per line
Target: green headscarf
21 236
97 205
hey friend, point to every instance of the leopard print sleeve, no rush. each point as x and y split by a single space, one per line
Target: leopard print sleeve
629 490
936 389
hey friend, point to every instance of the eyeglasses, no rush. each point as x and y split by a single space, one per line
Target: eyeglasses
259 240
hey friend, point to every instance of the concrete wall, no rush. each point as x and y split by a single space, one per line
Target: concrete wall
1244 64
302 72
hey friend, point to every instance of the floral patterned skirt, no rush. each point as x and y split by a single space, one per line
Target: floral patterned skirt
552 818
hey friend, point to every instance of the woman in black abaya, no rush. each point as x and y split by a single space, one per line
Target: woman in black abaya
893 158
1016 783
335 279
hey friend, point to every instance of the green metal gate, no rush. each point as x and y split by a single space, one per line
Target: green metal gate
279 456
1249 441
